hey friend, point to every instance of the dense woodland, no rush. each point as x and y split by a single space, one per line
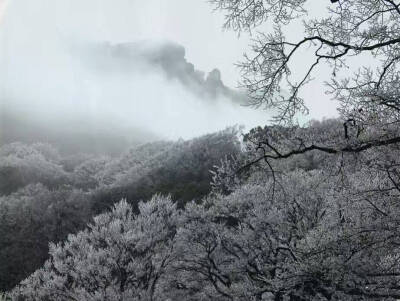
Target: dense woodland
46 196
317 226
285 212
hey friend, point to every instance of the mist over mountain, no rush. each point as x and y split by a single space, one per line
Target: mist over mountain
89 138
73 75
168 58
102 97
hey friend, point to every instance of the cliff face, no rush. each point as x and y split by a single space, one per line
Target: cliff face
103 98
169 58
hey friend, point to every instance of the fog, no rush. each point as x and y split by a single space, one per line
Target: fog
65 80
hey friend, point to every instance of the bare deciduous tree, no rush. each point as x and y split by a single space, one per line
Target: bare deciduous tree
363 34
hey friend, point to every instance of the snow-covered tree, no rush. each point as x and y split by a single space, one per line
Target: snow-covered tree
299 237
121 256
22 164
360 36
86 174
247 245
29 219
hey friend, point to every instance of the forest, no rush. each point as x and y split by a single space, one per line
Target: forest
290 210
45 196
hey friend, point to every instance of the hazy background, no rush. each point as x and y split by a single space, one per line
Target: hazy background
100 74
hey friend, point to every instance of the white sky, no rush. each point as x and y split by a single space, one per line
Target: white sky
31 31
192 23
